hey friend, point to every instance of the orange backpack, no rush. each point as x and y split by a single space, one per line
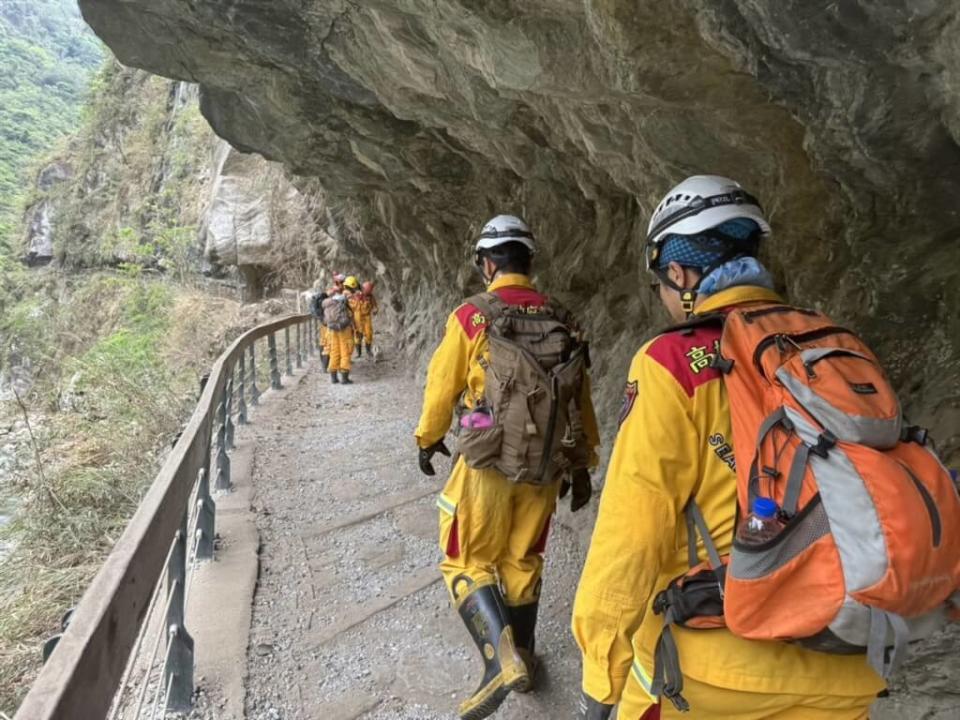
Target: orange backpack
868 557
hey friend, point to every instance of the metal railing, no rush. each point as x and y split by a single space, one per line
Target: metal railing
138 598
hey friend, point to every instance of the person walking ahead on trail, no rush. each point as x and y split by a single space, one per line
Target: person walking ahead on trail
338 320
364 308
674 447
335 289
513 364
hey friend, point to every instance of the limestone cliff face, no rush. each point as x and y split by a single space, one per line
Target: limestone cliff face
418 119
258 222
145 180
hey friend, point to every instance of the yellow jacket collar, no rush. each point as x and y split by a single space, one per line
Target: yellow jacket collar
736 296
510 280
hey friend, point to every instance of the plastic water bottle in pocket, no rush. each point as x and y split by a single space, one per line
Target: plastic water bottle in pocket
762 524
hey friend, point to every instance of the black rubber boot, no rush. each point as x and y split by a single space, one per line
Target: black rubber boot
483 611
590 709
360 349
325 361
333 377
345 378
523 618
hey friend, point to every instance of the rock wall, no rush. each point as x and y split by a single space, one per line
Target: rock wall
415 120
420 119
144 180
258 222
41 215
130 174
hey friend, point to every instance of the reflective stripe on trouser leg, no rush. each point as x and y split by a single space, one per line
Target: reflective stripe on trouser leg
710 702
636 697
483 503
521 565
714 703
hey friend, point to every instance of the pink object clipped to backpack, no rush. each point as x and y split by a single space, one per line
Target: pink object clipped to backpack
479 419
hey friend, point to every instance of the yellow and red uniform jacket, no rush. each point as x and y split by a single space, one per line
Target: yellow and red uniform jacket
674 443
364 305
455 366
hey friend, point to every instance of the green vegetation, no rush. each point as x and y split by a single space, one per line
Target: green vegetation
139 162
139 159
108 347
108 393
48 55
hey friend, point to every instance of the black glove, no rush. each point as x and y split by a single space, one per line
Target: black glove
590 709
579 480
426 455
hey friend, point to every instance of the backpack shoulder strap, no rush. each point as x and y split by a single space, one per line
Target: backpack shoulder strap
697 525
560 313
489 304
696 321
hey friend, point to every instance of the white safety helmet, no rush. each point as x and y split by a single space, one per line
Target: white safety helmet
697 204
503 229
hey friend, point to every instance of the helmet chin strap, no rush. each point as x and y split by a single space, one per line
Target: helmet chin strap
478 263
688 296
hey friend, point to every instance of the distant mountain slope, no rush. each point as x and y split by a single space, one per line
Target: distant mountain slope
47 56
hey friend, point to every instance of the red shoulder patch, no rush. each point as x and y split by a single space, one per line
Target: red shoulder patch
471 320
522 296
688 356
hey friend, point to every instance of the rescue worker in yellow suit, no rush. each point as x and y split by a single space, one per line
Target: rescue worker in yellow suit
493 531
324 340
340 338
673 444
364 308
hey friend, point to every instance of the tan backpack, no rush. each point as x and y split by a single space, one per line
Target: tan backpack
534 378
336 313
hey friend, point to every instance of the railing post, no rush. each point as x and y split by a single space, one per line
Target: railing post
178 668
311 337
286 350
241 393
228 408
223 460
274 366
206 516
299 346
254 390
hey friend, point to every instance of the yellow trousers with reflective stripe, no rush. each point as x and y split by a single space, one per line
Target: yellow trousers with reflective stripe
341 349
494 529
708 702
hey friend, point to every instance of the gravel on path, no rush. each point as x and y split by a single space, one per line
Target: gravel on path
350 617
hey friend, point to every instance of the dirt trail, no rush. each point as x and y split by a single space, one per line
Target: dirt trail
350 619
